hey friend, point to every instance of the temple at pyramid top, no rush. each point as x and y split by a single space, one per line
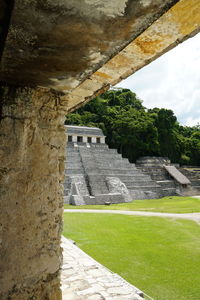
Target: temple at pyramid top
83 134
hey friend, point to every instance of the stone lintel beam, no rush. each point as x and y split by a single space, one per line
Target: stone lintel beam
59 43
179 23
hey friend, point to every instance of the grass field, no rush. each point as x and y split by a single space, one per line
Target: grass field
171 204
158 255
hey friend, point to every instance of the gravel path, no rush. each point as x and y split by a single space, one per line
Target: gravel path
189 216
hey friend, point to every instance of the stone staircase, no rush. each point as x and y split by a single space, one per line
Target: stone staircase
94 164
153 166
111 164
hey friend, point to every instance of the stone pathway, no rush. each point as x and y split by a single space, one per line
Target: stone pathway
189 216
83 278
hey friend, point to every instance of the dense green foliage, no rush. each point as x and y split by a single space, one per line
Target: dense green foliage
136 131
158 255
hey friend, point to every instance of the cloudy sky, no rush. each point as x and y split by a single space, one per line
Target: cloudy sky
172 81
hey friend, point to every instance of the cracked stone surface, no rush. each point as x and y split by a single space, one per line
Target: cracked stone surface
84 278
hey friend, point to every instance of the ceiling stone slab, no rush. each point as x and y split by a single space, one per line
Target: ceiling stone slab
60 43
176 25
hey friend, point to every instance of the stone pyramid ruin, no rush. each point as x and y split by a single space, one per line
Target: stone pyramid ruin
178 180
95 174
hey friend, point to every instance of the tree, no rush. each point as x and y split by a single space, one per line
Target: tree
135 131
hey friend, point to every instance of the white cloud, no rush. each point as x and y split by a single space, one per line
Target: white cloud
172 81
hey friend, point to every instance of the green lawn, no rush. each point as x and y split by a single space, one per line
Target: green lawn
167 204
158 255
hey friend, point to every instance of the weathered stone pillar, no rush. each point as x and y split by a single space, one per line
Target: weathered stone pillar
32 143
84 139
94 140
74 138
102 140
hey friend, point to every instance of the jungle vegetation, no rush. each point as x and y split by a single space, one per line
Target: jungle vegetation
137 131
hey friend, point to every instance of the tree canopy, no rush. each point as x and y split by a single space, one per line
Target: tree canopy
136 131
